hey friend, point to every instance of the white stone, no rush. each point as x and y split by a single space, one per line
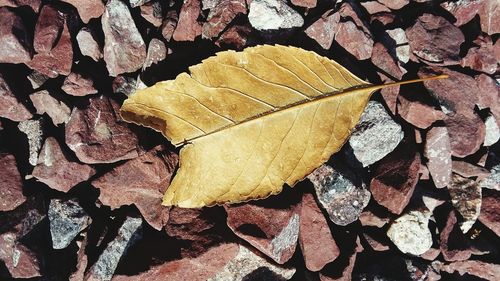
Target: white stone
492 131
402 46
410 233
273 15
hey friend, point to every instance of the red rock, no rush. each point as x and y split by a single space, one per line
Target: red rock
452 242
124 85
188 28
157 52
78 85
33 4
394 4
11 184
490 211
469 170
346 272
146 178
395 178
367 218
57 169
383 18
305 3
481 58
324 29
489 14
431 254
466 132
98 135
438 152
418 113
273 231
87 9
424 172
221 15
169 24
52 43
82 260
88 44
58 111
374 7
153 13
235 36
489 95
463 11
37 79
315 238
486 271
350 11
20 261
434 40
383 60
375 243
124 48
16 47
10 107
354 40
389 94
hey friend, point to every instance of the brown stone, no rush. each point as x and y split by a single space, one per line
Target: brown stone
382 59
490 211
221 15
16 47
273 231
169 24
481 58
376 243
305 3
452 242
153 13
356 41
395 178
10 107
19 260
235 36
97 134
374 7
469 170
324 29
489 95
345 273
58 111
489 14
394 4
368 218
157 52
438 153
88 44
315 238
52 44
78 85
11 184
434 40
389 94
486 271
87 9
466 198
467 133
463 11
431 254
124 48
33 4
188 28
418 113
57 169
146 178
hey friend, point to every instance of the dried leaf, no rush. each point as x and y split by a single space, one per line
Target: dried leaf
251 121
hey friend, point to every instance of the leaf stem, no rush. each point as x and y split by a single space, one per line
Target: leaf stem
378 87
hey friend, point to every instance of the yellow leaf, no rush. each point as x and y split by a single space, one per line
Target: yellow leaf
251 121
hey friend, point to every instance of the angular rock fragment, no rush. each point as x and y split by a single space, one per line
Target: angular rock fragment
467 133
481 58
354 40
273 15
124 84
486 271
434 40
463 11
52 43
82 260
466 198
224 262
236 36
124 48
488 95
418 113
87 9
98 135
368 218
37 79
468 170
58 111
381 58
33 4
493 180
490 211
19 260
33 131
58 170
410 233
88 44
315 238
188 27
157 51
137 3
375 135
169 24
221 15
438 152
345 273
400 44
395 178
11 184
105 266
67 218
10 107
273 231
16 47
305 3
394 4
340 192
492 134
78 85
324 29
153 13
489 14
146 178
376 243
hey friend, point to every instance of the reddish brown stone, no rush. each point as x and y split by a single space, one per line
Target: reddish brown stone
486 271
57 170
469 170
324 29
273 231
354 40
418 113
374 7
78 85
395 177
367 218
452 242
481 58
394 4
431 254
124 48
20 261
383 60
169 24
16 47
489 95
235 36
153 13
88 44
489 14
188 28
221 15
146 178
490 211
305 3
438 152
33 4
11 184
466 132
463 11
315 238
389 94
346 272
376 243
88 9
10 107
58 111
157 52
435 41
98 135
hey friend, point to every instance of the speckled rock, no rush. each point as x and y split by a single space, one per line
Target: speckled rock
489 14
466 198
137 3
188 27
484 270
375 135
20 261
11 184
34 133
438 152
221 15
324 29
410 232
492 131
340 192
67 218
16 47
493 180
10 107
78 85
169 24
368 218
88 44
235 36
152 12
87 9
58 111
462 10
273 15
468 170
453 244
37 79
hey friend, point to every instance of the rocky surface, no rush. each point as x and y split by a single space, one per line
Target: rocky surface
67 219
188 27
410 233
466 198
16 45
58 111
273 15
10 107
438 153
88 44
87 9
34 134
11 185
78 85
